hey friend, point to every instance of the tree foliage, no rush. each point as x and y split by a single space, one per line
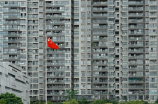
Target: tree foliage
72 101
111 101
39 102
83 101
2 101
49 102
98 102
135 102
70 94
156 101
10 98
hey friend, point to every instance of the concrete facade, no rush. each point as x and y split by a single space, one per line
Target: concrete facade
107 48
12 80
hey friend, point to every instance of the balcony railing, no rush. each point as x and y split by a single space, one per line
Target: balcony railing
135 62
136 2
138 8
136 51
136 45
100 3
136 14
135 20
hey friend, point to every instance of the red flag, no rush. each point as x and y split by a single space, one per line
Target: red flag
50 44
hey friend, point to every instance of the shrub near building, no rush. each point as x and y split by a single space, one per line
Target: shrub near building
10 98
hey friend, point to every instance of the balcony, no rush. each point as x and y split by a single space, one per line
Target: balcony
100 92
136 45
99 21
100 63
57 16
100 9
58 3
11 5
99 3
55 58
100 51
100 57
135 20
135 62
100 27
32 40
100 81
51 64
100 69
57 10
136 69
59 75
100 15
135 9
58 40
136 75
99 33
136 14
136 81
55 70
12 40
100 75
135 39
135 3
136 92
57 87
57 52
56 28
99 87
136 57
136 87
55 93
11 52
57 34
136 51
57 22
103 45
12 46
35 46
135 26
55 81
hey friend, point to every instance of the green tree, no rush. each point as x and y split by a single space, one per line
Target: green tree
72 101
39 102
98 102
111 101
156 101
83 101
145 102
135 102
11 98
49 102
123 102
2 101
70 94
31 102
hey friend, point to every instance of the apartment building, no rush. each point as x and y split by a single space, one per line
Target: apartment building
107 48
12 80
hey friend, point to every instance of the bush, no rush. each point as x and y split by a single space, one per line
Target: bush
156 101
2 101
72 101
9 97
135 102
83 101
111 101
98 102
